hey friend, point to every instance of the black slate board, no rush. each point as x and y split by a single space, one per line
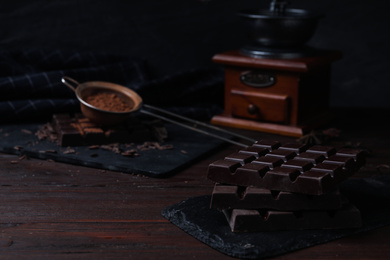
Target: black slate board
370 196
187 147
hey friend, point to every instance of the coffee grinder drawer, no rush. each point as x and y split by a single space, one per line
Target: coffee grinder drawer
260 106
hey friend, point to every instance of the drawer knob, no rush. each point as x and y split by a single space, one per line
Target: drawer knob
253 109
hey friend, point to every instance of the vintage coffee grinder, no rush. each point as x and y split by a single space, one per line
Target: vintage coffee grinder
276 83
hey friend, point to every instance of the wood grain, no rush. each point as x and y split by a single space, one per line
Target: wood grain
52 210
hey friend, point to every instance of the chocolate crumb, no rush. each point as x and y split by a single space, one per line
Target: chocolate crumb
26 131
106 147
166 147
18 147
382 167
23 157
69 151
153 145
130 153
48 151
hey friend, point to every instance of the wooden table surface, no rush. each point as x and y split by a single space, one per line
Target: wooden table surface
51 210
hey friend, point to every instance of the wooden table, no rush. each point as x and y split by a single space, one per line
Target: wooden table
52 210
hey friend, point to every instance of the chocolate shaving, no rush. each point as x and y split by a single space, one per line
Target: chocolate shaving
69 151
382 167
46 132
154 145
48 151
18 147
23 157
130 153
112 147
26 131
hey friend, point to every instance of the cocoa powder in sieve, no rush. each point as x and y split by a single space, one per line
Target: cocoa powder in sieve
109 101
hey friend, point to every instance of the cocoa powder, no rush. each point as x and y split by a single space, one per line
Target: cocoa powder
109 101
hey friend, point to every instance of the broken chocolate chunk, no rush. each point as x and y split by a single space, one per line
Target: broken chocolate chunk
244 220
239 197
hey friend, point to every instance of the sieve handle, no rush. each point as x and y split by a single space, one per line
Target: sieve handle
66 81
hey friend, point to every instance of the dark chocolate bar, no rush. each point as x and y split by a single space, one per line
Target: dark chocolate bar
239 197
243 220
78 130
291 167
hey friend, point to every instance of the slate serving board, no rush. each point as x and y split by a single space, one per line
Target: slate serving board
187 147
370 196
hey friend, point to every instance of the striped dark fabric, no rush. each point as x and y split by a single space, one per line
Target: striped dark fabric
30 81
31 87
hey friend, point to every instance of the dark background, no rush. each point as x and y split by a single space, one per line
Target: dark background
179 35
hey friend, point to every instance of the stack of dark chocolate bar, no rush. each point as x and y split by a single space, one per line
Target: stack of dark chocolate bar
269 186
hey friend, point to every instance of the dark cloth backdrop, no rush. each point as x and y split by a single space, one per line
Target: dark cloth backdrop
31 87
